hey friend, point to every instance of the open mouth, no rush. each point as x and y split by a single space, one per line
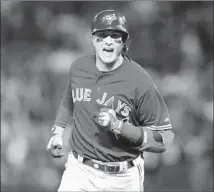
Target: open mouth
108 50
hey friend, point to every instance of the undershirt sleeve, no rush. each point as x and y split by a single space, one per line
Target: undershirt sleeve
65 112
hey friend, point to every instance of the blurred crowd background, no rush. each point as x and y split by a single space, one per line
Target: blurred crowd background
39 41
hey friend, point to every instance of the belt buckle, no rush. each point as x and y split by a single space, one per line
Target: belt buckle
110 168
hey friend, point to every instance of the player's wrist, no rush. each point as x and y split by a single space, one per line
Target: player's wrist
57 130
118 127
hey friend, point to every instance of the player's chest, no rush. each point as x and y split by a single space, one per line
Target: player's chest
104 91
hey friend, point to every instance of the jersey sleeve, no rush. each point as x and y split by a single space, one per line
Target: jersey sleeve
152 110
65 112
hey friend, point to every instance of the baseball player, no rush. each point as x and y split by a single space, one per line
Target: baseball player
116 114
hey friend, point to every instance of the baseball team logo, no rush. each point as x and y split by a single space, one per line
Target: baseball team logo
110 18
120 107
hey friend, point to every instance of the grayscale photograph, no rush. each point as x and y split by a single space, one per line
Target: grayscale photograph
107 96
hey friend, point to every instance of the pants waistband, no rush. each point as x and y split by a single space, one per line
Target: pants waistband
108 167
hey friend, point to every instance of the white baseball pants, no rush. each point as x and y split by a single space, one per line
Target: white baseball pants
80 177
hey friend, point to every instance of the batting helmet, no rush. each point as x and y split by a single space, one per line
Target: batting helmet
110 20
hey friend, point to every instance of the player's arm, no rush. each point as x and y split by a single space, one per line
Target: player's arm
65 112
154 131
63 119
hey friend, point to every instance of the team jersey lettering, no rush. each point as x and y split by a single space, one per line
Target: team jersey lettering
103 99
109 102
120 106
126 111
81 94
84 94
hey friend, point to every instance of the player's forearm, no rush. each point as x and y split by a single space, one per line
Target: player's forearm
143 138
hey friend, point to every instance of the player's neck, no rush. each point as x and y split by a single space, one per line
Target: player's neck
101 66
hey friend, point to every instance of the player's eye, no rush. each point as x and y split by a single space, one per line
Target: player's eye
113 35
116 35
102 35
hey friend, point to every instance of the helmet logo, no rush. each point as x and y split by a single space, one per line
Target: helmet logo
110 18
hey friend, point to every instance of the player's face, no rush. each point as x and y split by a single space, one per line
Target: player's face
108 45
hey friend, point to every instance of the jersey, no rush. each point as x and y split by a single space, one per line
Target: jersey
129 90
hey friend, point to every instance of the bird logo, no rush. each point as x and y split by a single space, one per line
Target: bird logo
110 18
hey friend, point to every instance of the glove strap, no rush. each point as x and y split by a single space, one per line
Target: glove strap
57 130
118 129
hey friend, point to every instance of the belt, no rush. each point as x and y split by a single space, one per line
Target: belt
107 167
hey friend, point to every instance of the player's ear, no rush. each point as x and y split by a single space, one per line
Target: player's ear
126 45
93 39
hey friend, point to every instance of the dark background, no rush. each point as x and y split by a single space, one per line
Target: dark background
39 40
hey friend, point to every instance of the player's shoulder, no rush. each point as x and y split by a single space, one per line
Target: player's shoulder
82 61
139 73
140 77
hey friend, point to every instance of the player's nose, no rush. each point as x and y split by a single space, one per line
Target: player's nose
108 40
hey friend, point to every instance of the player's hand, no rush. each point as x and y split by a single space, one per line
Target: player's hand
55 143
107 118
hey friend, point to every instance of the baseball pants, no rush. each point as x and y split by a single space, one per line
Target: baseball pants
80 177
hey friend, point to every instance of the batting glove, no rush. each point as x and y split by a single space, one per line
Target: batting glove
107 118
54 146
